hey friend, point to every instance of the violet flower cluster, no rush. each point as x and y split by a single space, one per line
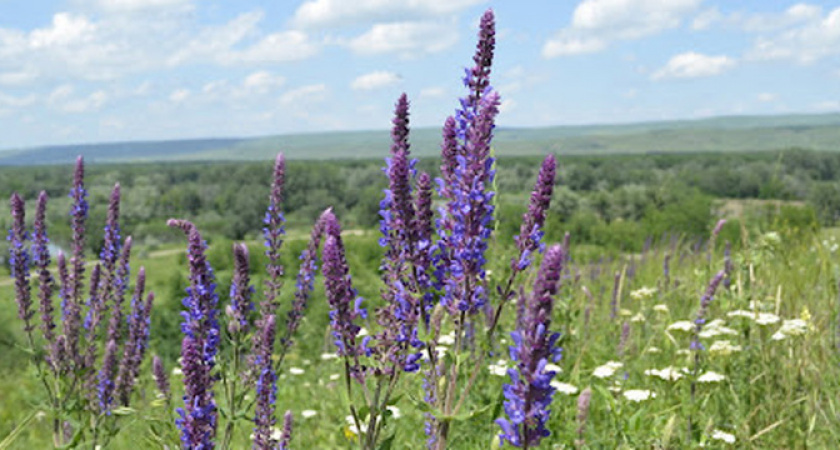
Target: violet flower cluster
467 176
529 394
76 373
198 418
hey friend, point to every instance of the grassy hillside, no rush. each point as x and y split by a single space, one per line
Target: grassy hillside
719 134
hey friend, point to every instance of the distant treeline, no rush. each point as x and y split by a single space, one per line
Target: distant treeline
612 201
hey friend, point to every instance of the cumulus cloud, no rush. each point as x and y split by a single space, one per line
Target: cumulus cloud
597 23
263 81
375 80
332 13
694 65
142 5
813 38
63 98
310 93
407 39
179 95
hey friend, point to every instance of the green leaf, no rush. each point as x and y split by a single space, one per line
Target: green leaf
388 443
7 442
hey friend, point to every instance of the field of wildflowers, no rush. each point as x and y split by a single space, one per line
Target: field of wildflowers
451 339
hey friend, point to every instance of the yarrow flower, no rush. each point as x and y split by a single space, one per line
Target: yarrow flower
790 328
723 348
668 374
638 395
529 394
607 370
719 435
711 377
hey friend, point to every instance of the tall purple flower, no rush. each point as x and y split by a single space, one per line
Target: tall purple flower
531 231
41 260
136 341
286 436
198 417
345 304
78 217
160 377
240 290
266 395
106 383
705 301
305 281
529 394
120 282
273 232
423 242
19 263
468 173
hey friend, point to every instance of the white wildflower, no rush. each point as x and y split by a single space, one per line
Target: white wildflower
296 371
711 377
395 412
551 367
176 371
328 356
500 370
335 376
639 395
668 374
307 413
662 308
682 325
643 293
723 436
564 388
363 332
607 370
638 318
716 328
653 350
792 327
447 339
723 348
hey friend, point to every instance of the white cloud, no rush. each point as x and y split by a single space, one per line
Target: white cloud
310 93
332 13
597 23
694 65
221 44
375 80
407 39
18 77
142 5
179 95
767 97
10 101
566 44
263 81
706 19
62 99
805 43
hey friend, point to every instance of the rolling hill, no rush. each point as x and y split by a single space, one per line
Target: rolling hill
719 134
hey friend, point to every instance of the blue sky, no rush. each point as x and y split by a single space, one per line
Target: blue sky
74 71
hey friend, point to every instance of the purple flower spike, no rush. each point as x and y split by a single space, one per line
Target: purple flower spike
531 231
343 300
286 437
160 376
529 394
106 384
240 290
78 217
41 261
120 283
266 388
273 233
705 301
198 417
305 282
137 341
19 262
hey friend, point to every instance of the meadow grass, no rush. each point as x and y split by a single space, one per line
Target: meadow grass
778 390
